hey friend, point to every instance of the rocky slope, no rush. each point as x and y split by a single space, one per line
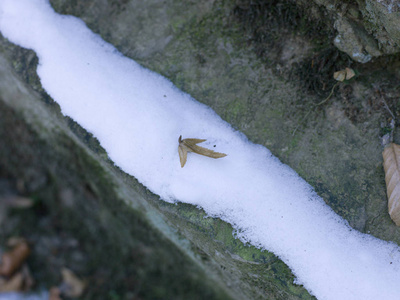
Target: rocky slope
265 68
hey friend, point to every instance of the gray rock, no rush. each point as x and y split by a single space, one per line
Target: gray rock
101 223
382 20
355 41
263 68
365 29
81 219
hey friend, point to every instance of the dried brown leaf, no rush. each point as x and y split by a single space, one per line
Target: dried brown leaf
345 74
14 241
54 293
391 164
13 260
15 201
28 279
182 150
340 75
190 145
349 73
72 286
14 284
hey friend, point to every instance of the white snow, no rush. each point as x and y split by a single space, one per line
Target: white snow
138 116
22 296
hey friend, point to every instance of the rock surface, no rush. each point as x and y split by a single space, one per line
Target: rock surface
365 29
263 67
82 216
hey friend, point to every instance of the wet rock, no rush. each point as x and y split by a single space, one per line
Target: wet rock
79 218
249 80
365 29
355 41
382 20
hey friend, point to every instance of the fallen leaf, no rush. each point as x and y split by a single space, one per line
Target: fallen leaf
350 73
13 260
340 75
14 284
17 201
28 279
54 293
345 74
190 145
15 241
391 164
72 286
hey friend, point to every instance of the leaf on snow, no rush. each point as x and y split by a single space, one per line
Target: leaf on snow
190 145
391 164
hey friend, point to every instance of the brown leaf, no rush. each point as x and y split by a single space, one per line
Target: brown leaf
28 279
340 75
391 164
14 241
190 145
17 201
14 284
345 74
349 73
13 260
54 293
72 286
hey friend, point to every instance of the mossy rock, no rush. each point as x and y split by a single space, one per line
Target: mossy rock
101 223
240 60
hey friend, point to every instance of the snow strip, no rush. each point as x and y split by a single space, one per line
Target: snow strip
138 115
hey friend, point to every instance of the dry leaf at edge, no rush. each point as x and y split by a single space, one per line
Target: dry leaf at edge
17 201
350 73
20 281
54 293
13 284
340 75
13 260
345 74
72 286
190 145
391 164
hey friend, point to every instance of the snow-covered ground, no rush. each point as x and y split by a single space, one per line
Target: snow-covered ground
21 296
138 115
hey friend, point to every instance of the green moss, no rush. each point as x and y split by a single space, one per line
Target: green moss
79 221
226 54
234 110
265 273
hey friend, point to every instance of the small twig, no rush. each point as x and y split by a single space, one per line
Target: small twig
387 107
388 137
318 104
298 125
329 96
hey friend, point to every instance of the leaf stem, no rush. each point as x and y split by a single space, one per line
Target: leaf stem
318 104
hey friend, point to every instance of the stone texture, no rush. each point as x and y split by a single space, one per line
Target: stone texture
262 66
355 41
81 218
101 223
382 20
365 29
